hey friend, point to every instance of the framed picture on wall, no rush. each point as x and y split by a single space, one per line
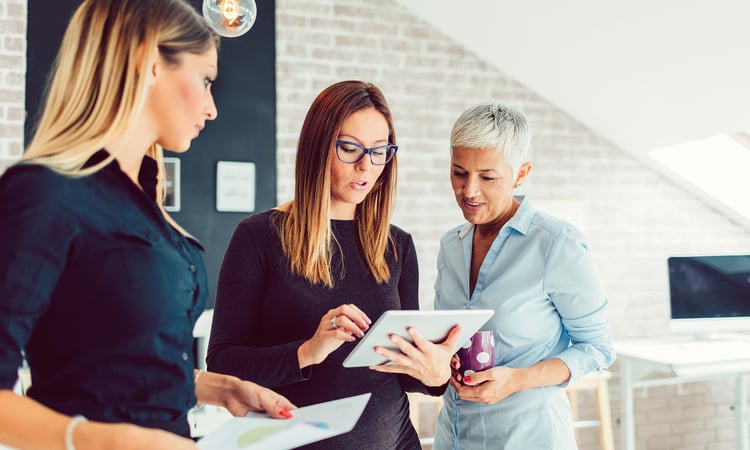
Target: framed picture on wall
235 186
172 184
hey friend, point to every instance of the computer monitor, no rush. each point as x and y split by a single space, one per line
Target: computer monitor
709 293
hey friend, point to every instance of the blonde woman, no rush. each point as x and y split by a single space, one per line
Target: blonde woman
98 285
299 284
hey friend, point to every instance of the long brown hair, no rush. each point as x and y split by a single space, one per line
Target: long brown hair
95 92
305 231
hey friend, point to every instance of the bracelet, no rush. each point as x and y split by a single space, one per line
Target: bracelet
197 375
69 431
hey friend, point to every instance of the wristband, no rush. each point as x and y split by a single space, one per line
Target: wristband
69 431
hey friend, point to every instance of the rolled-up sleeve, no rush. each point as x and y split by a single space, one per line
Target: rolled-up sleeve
573 287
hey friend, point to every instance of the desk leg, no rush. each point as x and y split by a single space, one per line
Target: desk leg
627 419
740 412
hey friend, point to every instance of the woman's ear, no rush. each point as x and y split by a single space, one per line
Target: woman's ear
523 172
148 63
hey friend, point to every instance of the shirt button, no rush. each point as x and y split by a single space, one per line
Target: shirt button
192 268
184 356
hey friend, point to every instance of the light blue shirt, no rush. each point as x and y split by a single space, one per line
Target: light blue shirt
539 279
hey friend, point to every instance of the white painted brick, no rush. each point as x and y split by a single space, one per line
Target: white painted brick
663 442
700 436
722 445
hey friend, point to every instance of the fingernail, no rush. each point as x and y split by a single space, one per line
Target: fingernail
285 413
467 379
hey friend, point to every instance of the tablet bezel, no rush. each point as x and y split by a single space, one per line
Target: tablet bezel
434 325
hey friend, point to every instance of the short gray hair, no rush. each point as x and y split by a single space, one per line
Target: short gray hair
494 125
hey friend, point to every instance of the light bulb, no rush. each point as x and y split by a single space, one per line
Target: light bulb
230 18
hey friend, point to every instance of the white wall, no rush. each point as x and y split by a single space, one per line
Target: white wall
644 74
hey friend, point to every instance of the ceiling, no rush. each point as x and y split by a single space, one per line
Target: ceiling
643 74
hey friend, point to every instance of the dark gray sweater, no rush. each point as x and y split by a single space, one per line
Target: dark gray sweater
264 313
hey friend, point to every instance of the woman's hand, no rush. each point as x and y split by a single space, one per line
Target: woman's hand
488 386
239 397
247 396
429 363
343 324
492 385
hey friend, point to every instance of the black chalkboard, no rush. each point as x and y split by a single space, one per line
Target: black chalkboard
245 95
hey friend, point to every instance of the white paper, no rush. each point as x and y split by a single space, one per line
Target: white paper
308 424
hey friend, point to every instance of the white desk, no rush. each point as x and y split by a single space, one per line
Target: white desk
684 358
201 333
204 418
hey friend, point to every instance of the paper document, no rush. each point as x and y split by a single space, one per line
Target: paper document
308 424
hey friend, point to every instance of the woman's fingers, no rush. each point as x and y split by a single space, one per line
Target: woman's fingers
450 341
346 321
422 359
412 350
346 325
354 314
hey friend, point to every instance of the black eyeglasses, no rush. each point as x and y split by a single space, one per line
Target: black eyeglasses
351 152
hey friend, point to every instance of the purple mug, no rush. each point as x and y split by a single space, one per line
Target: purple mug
477 354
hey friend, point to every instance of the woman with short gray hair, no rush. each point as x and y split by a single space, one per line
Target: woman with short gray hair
550 323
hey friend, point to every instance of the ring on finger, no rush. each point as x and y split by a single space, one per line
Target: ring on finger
333 322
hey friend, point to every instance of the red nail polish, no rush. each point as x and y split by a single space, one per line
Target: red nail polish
467 379
285 413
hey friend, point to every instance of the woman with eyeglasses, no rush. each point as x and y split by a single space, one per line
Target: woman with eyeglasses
300 283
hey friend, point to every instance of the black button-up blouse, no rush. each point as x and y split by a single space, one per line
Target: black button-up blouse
101 293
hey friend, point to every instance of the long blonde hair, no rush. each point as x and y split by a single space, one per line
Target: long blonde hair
95 92
305 230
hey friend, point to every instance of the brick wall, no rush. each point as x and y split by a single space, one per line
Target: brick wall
12 76
633 216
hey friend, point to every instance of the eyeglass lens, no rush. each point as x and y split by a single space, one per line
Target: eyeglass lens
350 152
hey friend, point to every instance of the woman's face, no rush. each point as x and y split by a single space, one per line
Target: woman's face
483 184
180 99
350 183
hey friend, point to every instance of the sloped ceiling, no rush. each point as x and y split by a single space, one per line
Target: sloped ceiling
643 74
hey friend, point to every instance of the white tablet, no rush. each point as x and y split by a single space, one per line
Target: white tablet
434 325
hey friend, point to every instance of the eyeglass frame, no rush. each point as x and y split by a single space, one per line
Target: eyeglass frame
365 151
